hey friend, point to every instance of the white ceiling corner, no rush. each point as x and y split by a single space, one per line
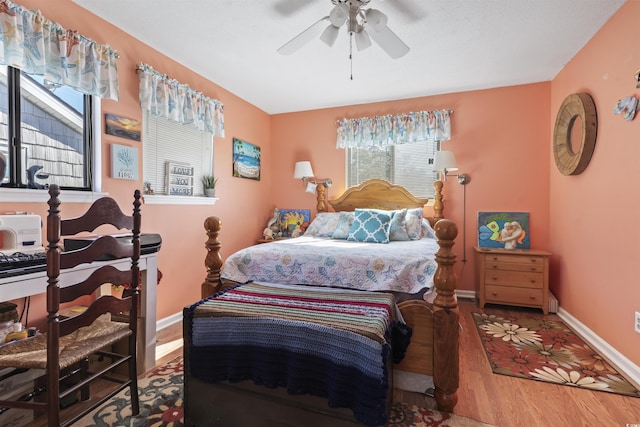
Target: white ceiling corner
456 45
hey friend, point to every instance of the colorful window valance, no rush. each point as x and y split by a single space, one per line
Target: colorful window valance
34 44
165 97
394 129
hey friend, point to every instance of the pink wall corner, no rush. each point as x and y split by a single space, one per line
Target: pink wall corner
243 204
594 213
500 137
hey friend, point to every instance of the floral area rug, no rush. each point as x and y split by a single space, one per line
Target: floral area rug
545 349
161 405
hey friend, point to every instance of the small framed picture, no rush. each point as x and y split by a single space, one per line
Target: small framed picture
122 127
246 160
294 222
124 162
507 230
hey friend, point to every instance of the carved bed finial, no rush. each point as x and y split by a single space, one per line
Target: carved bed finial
446 319
213 260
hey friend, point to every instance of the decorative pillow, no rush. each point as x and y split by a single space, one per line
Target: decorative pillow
323 225
370 225
414 223
427 231
344 225
398 229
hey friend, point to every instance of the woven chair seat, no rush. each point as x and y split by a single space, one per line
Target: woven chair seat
31 353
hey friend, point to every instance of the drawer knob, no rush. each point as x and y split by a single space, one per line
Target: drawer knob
533 280
532 297
495 258
533 269
533 260
494 294
495 278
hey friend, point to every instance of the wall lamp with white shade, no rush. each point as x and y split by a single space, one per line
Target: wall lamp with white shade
304 172
444 162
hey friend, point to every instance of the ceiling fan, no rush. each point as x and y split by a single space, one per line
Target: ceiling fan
362 25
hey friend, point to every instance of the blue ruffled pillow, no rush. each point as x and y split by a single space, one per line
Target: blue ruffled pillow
398 229
414 223
370 226
344 225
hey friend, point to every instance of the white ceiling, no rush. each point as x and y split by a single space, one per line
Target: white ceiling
456 45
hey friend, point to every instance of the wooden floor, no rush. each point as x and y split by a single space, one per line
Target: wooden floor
495 399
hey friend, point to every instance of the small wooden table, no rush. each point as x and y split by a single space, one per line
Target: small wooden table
514 277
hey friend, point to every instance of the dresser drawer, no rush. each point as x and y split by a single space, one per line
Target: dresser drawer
519 259
515 266
514 278
509 295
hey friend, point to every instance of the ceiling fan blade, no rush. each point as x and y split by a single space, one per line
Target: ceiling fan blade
303 38
389 42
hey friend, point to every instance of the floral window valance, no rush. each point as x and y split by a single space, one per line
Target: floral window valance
38 46
394 129
168 98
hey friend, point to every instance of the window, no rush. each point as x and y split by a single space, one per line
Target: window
409 165
45 133
166 141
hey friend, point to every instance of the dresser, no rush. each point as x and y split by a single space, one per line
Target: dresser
513 277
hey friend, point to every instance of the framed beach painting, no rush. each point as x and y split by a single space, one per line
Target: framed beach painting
246 160
507 230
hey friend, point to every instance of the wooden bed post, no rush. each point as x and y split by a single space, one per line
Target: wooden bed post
213 260
438 207
446 319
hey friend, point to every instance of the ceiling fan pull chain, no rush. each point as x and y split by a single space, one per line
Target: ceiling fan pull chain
351 53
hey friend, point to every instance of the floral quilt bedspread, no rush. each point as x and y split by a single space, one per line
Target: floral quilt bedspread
401 266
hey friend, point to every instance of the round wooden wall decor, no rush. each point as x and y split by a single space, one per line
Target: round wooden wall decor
572 150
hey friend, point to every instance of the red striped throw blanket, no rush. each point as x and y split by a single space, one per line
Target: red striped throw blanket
311 340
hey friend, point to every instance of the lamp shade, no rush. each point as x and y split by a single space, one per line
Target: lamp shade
445 161
303 170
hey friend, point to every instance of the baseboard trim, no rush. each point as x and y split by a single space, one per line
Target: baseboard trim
466 295
628 368
168 321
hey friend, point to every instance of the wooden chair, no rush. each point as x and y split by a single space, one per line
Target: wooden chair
65 348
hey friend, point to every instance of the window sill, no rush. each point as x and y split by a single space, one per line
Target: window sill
158 199
24 195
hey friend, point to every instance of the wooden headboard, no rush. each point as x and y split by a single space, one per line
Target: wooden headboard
380 194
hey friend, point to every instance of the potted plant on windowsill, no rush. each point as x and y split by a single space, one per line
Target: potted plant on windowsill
209 183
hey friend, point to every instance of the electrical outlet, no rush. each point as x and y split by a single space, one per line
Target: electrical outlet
637 322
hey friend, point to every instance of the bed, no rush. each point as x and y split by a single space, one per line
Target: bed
432 316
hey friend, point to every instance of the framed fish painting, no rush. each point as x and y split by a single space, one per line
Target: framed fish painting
507 230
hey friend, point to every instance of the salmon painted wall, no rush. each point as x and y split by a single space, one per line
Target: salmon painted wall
594 215
181 258
500 137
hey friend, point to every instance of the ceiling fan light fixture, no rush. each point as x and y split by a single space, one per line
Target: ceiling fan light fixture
329 35
362 40
339 15
376 19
